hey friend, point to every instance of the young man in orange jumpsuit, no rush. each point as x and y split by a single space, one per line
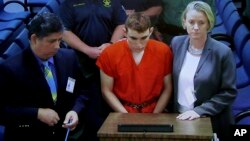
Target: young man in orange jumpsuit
136 72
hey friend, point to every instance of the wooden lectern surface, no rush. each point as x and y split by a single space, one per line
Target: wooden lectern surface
184 130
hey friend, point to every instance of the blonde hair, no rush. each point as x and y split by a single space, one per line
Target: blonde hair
201 7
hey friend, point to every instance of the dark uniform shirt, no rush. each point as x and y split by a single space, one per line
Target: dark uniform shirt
139 5
93 21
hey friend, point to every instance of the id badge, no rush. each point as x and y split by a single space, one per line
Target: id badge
70 85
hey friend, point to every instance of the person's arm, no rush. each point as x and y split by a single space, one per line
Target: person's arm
153 11
67 15
225 94
107 83
75 42
165 95
118 33
227 90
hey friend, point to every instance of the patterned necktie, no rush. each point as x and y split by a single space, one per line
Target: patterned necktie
50 80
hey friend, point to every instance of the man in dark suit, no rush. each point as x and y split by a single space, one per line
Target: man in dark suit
28 110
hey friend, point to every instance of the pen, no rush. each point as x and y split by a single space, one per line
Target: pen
68 130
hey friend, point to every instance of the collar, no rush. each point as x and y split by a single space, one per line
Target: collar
50 60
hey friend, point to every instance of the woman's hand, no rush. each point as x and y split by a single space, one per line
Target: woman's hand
188 115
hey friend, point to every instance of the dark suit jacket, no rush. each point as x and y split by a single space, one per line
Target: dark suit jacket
24 89
214 80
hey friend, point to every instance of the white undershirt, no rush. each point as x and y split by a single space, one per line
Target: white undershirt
185 96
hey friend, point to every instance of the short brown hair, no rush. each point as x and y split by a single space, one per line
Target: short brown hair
138 22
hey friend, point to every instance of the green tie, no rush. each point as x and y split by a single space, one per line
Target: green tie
50 80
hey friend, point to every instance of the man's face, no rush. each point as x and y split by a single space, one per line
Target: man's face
138 41
46 47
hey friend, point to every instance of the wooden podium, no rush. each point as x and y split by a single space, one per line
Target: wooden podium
193 130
